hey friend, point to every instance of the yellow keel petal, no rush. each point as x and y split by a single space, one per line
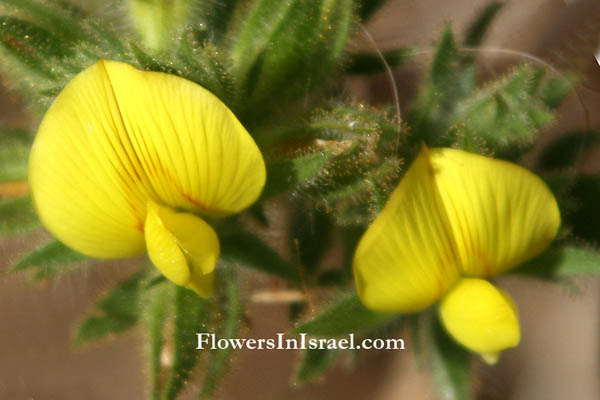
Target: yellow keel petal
183 247
481 317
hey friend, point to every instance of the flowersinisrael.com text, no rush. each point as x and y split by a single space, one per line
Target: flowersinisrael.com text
302 342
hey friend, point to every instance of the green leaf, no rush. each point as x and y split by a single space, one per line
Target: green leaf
14 152
275 50
584 220
48 260
480 26
17 216
366 8
192 314
287 175
248 250
157 307
568 149
313 364
556 90
368 63
220 359
563 262
216 17
158 22
114 314
56 17
311 232
429 117
503 116
450 364
343 317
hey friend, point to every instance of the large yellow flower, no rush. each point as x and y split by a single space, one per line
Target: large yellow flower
124 159
455 219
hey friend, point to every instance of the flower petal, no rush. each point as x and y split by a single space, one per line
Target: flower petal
406 259
84 177
183 247
454 213
191 147
116 137
500 214
481 317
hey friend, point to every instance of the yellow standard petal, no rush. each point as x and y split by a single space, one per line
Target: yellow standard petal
183 247
454 213
500 213
481 317
406 260
117 137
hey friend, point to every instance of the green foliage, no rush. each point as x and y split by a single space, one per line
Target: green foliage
156 306
366 8
17 216
568 149
14 150
118 311
274 51
449 363
585 218
313 364
191 315
562 262
247 250
220 359
344 316
311 234
368 63
429 117
48 261
504 116
278 65
476 32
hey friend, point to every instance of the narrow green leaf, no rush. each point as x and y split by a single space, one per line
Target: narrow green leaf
429 117
343 317
220 360
450 364
480 26
311 233
192 314
157 304
555 91
274 52
313 364
503 116
14 152
217 17
58 18
114 314
49 260
584 219
563 262
248 250
17 216
366 8
443 66
368 63
569 148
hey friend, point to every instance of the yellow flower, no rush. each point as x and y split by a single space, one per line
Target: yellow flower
123 159
454 220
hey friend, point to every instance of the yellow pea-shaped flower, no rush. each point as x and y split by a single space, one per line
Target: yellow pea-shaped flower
454 216
124 159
